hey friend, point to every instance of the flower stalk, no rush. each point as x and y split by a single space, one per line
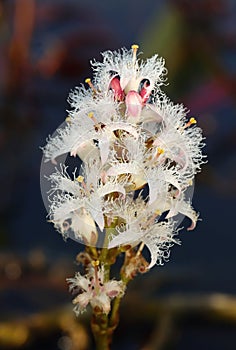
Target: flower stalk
102 325
102 334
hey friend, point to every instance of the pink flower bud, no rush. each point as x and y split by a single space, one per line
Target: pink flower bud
145 91
133 104
116 88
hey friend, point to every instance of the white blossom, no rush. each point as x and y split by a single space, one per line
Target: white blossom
94 290
130 137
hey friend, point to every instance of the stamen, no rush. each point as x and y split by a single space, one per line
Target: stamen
157 212
160 150
95 263
135 48
68 119
140 249
91 116
80 179
190 122
90 84
98 126
193 120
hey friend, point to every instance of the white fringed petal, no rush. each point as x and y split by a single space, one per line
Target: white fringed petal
131 235
159 240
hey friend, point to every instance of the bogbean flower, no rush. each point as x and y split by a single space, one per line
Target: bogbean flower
140 153
76 205
92 289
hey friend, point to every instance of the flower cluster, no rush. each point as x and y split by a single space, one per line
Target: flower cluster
92 289
139 153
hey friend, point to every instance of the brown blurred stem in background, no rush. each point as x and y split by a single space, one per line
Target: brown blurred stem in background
169 313
19 47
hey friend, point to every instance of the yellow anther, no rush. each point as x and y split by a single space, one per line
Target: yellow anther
91 115
68 119
135 47
80 178
87 80
192 121
90 84
157 212
160 150
95 263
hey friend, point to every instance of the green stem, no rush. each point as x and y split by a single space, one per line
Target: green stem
102 342
103 258
99 326
114 318
93 252
103 326
99 322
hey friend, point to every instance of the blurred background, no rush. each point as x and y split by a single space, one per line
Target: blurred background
45 48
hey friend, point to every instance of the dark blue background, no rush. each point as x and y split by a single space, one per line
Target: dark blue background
198 41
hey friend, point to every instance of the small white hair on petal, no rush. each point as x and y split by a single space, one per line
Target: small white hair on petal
159 240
